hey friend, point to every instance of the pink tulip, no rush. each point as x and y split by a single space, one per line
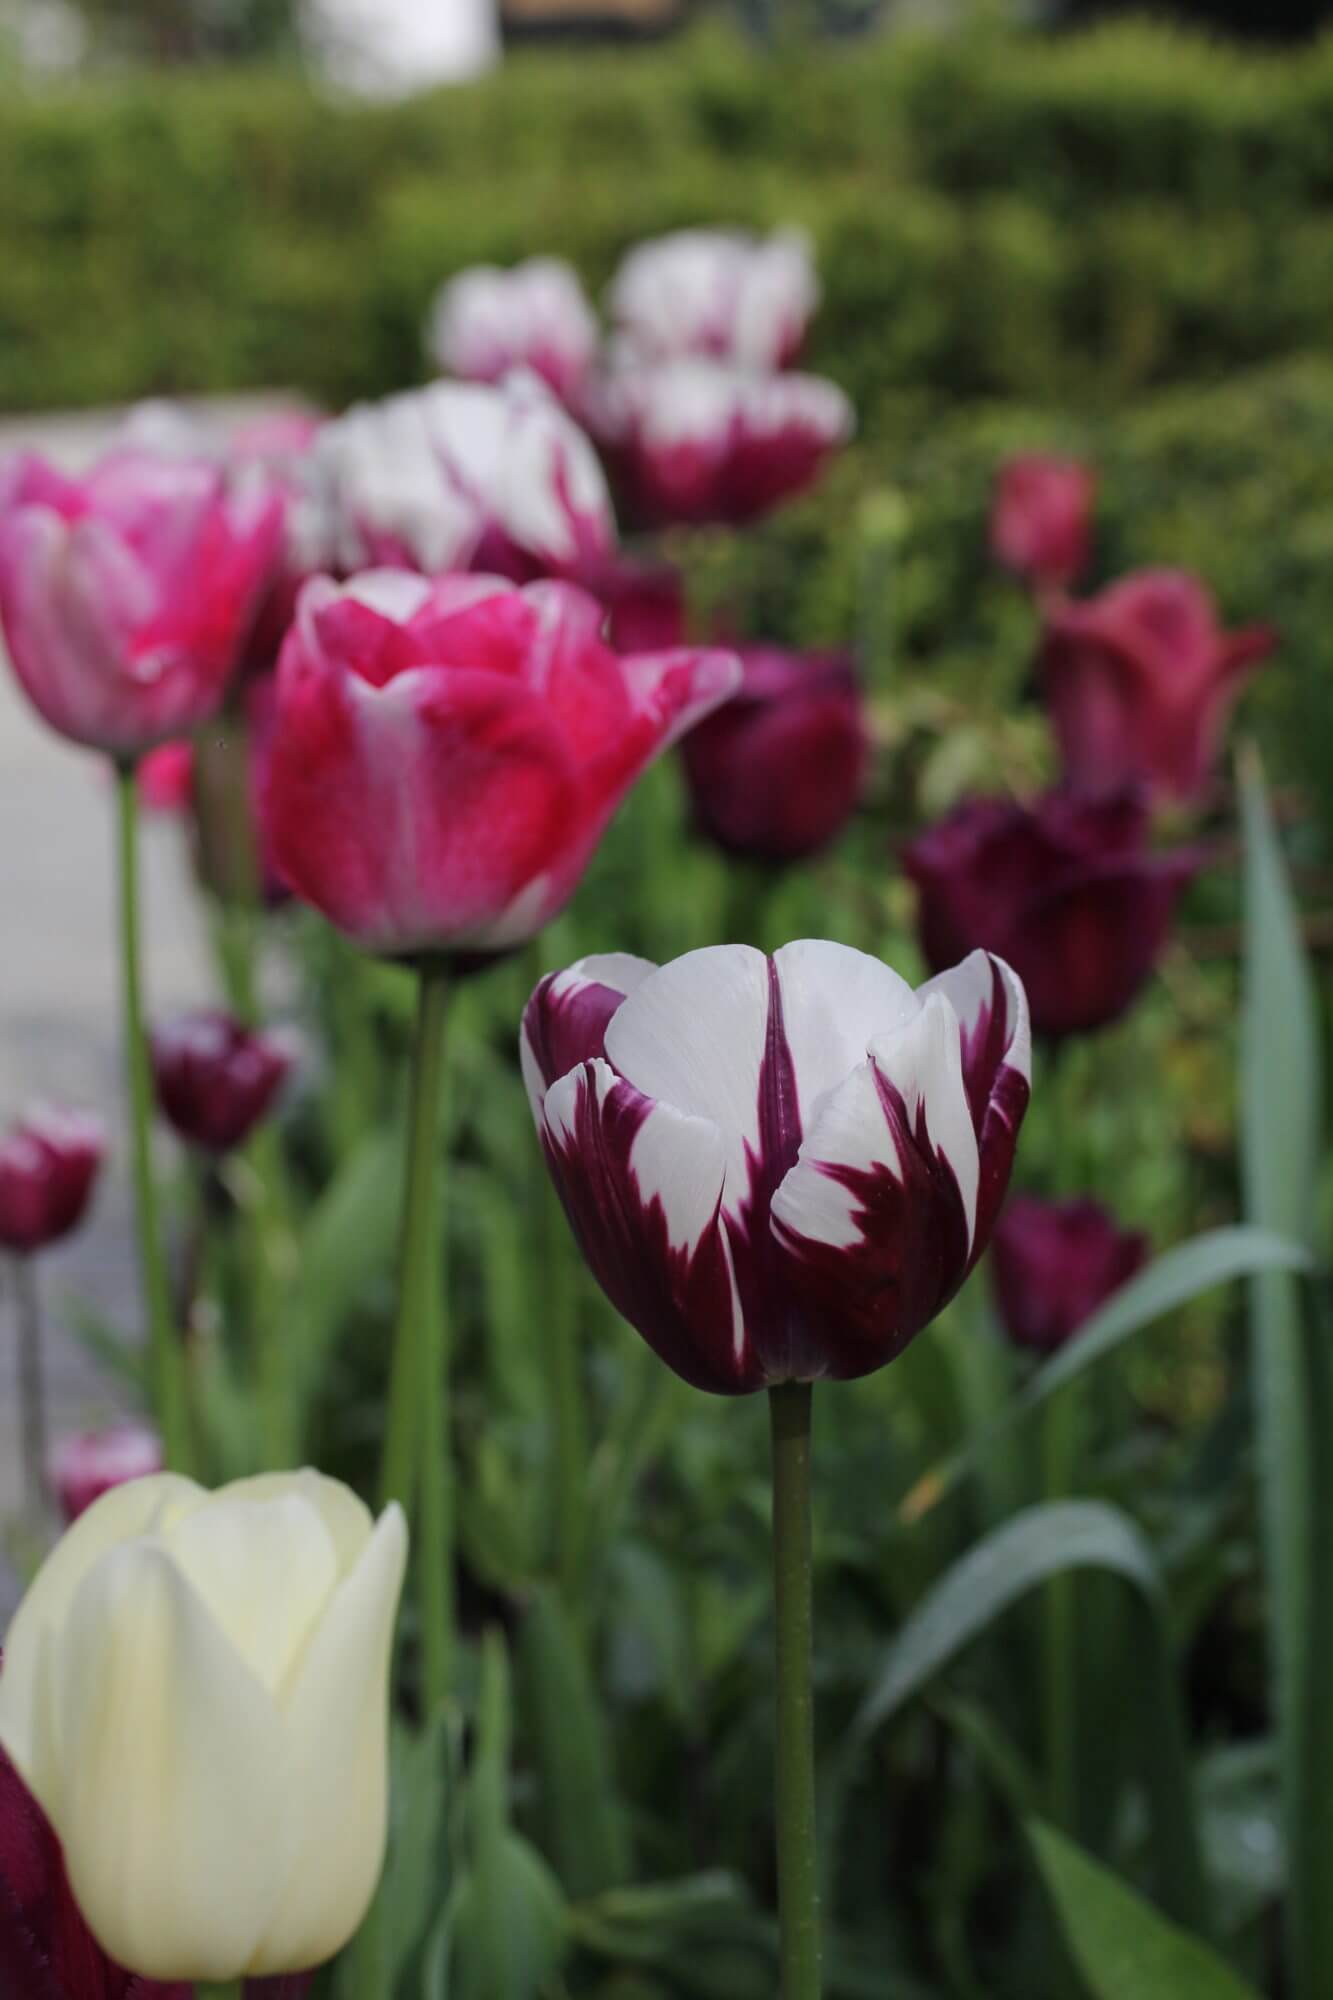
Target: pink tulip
721 293
486 321
84 1467
1140 682
1041 519
126 596
447 755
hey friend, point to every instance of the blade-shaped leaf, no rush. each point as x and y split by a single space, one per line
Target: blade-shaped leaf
1123 1947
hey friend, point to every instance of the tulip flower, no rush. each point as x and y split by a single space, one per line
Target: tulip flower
165 777
195 1691
446 755
487 321
721 293
1140 682
80 1469
1054 1263
126 596
1041 519
644 602
216 1078
1065 889
49 1162
457 476
779 1170
776 774
694 440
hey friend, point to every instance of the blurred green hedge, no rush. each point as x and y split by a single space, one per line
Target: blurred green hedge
1061 221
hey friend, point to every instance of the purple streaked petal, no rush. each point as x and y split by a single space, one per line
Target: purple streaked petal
642 1186
997 1068
564 1022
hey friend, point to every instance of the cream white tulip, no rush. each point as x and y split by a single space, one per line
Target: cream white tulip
195 1688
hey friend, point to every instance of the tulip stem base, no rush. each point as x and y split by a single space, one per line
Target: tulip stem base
167 1360
797 1851
416 1450
32 1390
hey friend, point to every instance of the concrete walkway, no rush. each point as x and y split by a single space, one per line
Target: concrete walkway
59 996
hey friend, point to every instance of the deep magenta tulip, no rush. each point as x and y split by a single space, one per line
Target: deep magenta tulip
1065 889
447 755
48 1163
776 774
644 602
779 1169
486 321
83 1467
1054 1263
1140 682
458 476
126 597
717 292
217 1078
1041 519
695 440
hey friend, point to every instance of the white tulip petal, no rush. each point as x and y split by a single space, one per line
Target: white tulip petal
835 1002
345 1515
693 1035
178 1840
924 1063
335 1750
680 1162
970 989
265 1569
120 1515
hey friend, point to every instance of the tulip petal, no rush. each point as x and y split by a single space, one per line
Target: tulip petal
346 1516
265 1569
170 1791
564 1023
335 1769
992 1010
118 1516
835 1002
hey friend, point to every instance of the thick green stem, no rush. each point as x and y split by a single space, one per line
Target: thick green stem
416 1442
167 1362
32 1394
1060 1437
798 1863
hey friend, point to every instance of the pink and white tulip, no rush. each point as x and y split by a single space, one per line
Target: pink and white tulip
84 1467
485 321
779 1169
457 476
126 596
446 755
695 440
721 293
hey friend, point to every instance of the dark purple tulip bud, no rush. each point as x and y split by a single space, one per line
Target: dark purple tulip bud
779 1169
1041 519
1140 682
644 603
776 773
1054 1263
48 1164
1065 889
216 1078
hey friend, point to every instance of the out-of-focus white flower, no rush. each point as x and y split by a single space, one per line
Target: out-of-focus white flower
486 321
718 292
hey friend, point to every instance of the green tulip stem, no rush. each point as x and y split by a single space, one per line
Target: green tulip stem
798 1867
166 1359
225 1989
416 1464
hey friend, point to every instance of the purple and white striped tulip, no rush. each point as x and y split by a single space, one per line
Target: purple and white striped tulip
779 1169
485 321
721 293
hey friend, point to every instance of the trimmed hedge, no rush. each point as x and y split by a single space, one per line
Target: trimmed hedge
1062 221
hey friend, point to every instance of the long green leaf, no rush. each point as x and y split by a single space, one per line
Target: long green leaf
582 1822
1172 1280
1038 1544
1122 1946
348 1238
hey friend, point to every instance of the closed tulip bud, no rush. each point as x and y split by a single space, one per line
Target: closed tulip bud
1041 519
457 476
1066 889
82 1468
695 441
216 1078
126 597
1140 682
779 1169
1054 1263
776 773
447 755
487 321
721 293
195 1690
48 1163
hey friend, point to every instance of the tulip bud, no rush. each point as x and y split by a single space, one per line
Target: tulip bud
84 1467
1054 1263
1041 519
195 1690
48 1164
216 1078
776 773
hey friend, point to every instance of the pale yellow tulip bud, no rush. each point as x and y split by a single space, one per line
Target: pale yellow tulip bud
195 1688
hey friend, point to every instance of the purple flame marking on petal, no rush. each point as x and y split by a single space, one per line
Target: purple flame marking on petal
565 1029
